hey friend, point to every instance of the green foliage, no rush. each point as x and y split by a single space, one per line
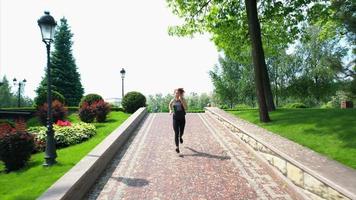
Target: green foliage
59 112
295 105
328 105
233 82
330 132
42 97
196 102
90 98
338 97
16 185
64 72
117 109
242 107
9 99
158 102
132 101
15 147
64 135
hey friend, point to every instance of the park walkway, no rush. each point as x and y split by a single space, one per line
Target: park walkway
213 164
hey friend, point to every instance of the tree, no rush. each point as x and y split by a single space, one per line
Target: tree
65 76
6 97
9 99
226 21
225 79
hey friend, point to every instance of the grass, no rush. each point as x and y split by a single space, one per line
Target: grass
34 179
331 132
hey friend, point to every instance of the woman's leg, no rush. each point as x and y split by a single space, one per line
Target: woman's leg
176 131
181 127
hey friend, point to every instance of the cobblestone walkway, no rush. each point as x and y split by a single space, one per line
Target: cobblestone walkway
213 164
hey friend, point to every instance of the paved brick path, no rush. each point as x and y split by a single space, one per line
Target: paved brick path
213 164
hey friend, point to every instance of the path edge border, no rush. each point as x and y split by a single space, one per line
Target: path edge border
267 150
75 184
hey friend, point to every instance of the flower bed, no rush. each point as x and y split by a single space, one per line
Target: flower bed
65 134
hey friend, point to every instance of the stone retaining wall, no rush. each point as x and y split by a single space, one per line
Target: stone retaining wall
76 182
299 174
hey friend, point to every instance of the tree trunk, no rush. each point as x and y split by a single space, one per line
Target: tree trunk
257 57
267 86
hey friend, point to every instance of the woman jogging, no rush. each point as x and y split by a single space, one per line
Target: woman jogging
178 106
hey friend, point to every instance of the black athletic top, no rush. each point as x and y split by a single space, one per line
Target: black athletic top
178 108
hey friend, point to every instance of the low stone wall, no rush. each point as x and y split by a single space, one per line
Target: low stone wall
299 174
76 182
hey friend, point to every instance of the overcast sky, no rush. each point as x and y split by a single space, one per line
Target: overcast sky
108 35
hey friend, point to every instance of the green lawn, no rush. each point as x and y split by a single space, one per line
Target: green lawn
331 132
33 180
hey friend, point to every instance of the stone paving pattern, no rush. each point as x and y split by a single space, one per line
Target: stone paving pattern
213 164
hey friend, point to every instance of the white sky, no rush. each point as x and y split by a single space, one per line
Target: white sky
108 35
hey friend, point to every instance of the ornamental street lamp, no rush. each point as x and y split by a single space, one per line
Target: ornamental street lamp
21 85
122 72
47 25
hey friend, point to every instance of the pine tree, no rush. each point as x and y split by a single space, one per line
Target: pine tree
65 76
6 97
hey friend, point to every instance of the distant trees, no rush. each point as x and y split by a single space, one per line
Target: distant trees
9 99
159 103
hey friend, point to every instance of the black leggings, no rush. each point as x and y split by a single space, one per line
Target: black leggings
178 126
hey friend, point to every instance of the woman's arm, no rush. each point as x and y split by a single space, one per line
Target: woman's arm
170 106
184 103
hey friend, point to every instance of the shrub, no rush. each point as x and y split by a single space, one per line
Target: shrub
63 135
42 98
295 105
328 105
102 109
59 112
242 107
133 101
118 109
16 145
87 113
90 99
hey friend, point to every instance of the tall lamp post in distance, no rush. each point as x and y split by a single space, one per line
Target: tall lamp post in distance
122 72
47 25
21 85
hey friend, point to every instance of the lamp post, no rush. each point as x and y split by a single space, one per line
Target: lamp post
21 85
47 25
122 72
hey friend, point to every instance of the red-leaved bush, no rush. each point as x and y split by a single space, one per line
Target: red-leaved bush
96 110
59 112
87 113
102 109
16 145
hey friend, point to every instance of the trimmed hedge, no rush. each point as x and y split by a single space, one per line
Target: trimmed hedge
295 105
132 101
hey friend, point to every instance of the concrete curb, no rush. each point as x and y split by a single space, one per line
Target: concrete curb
77 181
298 173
